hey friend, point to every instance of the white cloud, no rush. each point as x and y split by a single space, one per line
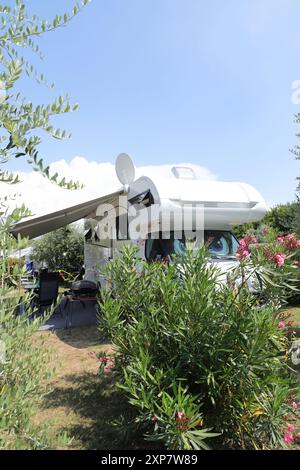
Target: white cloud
43 197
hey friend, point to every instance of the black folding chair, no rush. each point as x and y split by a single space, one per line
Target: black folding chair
48 291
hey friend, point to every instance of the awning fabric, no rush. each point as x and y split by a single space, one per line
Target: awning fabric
37 226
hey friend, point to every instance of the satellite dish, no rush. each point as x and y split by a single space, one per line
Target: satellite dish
125 169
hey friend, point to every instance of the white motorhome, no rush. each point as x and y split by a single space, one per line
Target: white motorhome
161 216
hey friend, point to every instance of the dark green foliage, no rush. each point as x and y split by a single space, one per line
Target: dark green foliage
195 357
241 230
61 250
283 218
296 224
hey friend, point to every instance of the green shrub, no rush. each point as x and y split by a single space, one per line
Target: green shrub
61 250
283 218
202 364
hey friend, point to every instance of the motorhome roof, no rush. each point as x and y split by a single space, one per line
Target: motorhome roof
195 190
225 204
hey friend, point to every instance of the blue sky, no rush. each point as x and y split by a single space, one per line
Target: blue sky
206 82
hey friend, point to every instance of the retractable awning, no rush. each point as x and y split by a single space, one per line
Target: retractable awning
37 226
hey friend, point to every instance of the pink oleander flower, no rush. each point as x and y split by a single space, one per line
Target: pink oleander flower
180 415
288 437
268 254
250 240
289 241
242 253
297 436
291 428
294 405
182 421
243 250
279 259
290 236
281 324
110 362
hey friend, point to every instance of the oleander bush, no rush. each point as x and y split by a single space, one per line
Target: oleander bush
203 364
274 261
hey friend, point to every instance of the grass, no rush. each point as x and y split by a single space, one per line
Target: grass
81 410
295 317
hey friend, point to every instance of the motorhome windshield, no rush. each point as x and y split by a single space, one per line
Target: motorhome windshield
160 248
221 244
